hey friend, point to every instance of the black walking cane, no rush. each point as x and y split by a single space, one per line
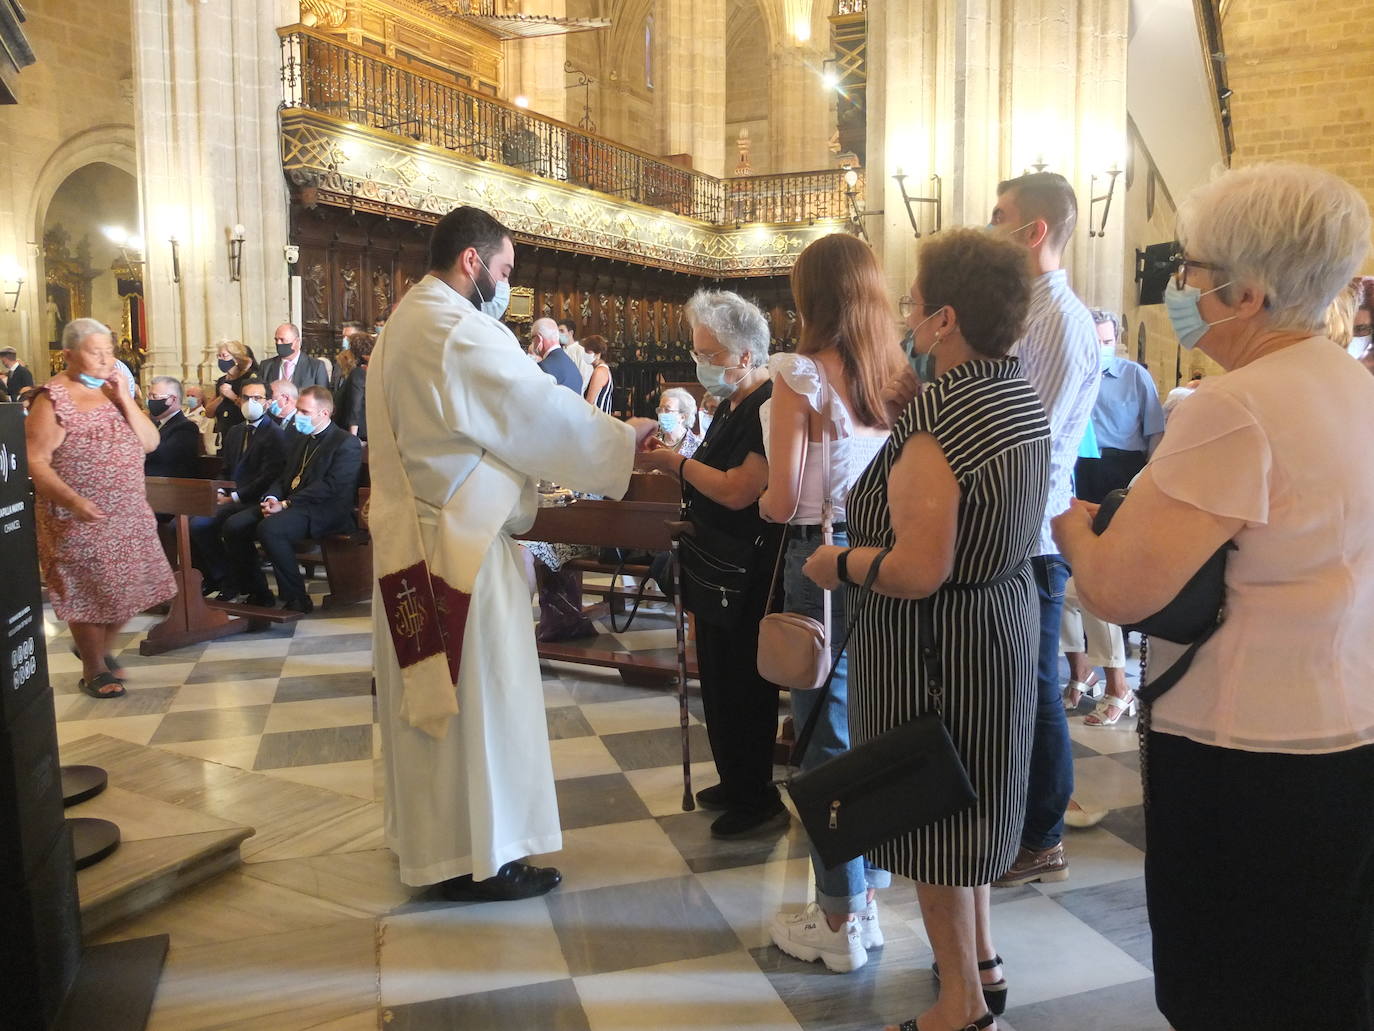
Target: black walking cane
688 802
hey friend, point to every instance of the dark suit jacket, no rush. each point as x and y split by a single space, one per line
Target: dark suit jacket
20 377
309 372
178 449
328 490
563 369
255 469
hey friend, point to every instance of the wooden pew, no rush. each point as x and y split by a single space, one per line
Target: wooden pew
190 618
637 525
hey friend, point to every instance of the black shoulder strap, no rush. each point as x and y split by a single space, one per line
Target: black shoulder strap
804 739
1150 692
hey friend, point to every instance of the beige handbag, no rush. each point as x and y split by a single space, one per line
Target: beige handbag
794 650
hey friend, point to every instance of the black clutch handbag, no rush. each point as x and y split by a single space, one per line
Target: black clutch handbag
895 783
716 568
1191 618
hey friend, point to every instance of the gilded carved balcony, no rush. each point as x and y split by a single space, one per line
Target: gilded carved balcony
360 132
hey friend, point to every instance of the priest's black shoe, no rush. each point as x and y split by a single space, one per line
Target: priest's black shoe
515 880
302 604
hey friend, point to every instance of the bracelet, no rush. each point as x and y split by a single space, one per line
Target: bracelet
682 468
842 566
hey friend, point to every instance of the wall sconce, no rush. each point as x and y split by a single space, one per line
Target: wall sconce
937 201
236 238
851 194
1106 200
176 258
121 238
10 272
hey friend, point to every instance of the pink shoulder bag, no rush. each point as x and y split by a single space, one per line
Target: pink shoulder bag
794 650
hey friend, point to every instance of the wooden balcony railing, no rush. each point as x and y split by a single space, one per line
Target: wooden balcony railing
325 75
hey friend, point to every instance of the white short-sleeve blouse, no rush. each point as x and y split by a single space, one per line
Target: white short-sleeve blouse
1282 443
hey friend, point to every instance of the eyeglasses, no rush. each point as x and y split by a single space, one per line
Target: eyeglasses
906 306
1184 264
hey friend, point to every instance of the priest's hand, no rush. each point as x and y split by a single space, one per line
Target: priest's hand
643 428
271 506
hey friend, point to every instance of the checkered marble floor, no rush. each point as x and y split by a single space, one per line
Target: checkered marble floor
656 924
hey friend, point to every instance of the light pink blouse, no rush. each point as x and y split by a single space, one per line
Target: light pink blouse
1284 444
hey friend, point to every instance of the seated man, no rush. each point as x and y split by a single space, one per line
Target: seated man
282 408
314 495
253 455
178 449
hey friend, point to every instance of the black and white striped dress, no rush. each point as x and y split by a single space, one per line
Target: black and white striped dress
992 430
605 397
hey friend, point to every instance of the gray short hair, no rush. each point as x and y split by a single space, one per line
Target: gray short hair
739 325
280 385
79 329
170 381
685 400
1294 232
1102 316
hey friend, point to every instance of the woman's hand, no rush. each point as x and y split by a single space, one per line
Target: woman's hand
657 458
86 510
1072 525
116 388
899 392
226 391
822 567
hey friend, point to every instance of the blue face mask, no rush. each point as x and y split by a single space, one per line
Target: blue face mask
922 363
94 382
304 424
712 377
500 296
669 422
1187 320
274 409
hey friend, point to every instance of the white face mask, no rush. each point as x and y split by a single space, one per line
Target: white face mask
1359 345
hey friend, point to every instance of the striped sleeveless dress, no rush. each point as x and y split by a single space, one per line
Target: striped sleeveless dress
606 395
992 430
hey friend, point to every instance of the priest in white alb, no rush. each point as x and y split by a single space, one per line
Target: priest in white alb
461 427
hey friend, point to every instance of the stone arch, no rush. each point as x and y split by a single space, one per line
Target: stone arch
112 144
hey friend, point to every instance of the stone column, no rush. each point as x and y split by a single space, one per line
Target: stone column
207 82
534 67
978 91
801 119
689 57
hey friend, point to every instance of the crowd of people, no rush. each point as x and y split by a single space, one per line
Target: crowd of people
954 471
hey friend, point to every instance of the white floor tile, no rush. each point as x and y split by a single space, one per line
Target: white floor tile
581 757
749 896
620 853
636 714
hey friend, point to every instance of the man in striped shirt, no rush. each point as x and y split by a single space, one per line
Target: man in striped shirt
1059 356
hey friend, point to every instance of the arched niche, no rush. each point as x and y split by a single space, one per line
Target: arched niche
85 273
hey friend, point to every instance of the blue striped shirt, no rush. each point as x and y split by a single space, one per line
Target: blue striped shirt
1060 357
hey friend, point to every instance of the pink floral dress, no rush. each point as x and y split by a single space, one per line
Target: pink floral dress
106 571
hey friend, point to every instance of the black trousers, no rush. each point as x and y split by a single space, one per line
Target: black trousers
1095 478
741 709
278 534
1259 875
207 546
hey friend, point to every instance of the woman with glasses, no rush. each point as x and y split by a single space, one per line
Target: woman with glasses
1259 762
955 500
721 484
824 424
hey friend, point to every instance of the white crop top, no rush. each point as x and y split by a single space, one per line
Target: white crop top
849 454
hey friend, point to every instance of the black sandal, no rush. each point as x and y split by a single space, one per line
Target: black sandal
111 663
984 1021
995 994
93 686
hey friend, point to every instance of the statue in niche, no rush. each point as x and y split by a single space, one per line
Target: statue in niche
381 293
349 278
54 322
586 309
635 328
313 285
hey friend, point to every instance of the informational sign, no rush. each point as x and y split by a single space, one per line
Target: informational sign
23 660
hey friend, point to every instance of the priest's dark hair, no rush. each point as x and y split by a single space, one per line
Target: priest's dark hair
460 229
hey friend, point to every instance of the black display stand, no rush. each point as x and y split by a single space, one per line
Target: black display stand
49 981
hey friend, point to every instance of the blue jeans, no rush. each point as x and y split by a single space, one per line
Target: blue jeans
1051 763
842 889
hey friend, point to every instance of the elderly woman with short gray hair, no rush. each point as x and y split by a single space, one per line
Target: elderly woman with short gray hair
1259 867
721 485
677 414
97 540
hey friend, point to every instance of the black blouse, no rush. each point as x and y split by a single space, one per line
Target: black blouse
735 434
